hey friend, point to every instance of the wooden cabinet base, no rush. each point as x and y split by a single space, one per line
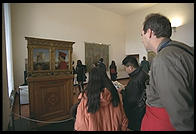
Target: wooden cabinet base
50 97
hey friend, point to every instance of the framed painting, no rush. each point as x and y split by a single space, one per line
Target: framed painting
49 57
41 59
62 59
95 51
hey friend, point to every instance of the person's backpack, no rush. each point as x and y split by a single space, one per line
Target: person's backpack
74 108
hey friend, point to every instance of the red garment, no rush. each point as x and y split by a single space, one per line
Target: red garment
62 65
156 119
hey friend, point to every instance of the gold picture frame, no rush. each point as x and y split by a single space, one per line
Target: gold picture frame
48 57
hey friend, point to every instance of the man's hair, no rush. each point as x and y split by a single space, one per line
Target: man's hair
101 59
79 62
144 57
130 61
159 24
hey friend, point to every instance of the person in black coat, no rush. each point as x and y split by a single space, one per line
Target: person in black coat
133 95
81 77
145 65
101 64
113 71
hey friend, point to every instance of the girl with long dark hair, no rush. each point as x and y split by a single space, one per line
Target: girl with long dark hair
100 108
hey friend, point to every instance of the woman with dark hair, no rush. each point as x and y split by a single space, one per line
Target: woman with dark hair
100 108
113 71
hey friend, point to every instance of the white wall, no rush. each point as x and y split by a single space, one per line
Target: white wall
184 33
6 107
78 22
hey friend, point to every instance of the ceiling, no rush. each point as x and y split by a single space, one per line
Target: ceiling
123 9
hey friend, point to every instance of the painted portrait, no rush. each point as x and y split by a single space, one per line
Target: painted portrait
61 59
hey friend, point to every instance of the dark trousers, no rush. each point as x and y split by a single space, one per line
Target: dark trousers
113 77
80 86
135 122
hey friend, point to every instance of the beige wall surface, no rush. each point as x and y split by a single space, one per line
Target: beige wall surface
78 22
184 33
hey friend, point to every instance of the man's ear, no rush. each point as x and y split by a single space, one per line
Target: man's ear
150 33
130 67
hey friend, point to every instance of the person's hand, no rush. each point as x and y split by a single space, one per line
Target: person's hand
118 86
121 87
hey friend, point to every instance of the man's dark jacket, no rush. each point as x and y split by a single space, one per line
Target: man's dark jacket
131 96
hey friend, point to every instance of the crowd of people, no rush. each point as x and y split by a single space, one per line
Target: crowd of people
159 95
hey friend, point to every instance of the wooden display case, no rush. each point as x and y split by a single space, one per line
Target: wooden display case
50 97
50 79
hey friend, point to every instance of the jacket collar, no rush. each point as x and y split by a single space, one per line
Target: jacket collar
163 44
135 72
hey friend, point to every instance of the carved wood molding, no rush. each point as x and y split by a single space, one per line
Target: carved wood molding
48 42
